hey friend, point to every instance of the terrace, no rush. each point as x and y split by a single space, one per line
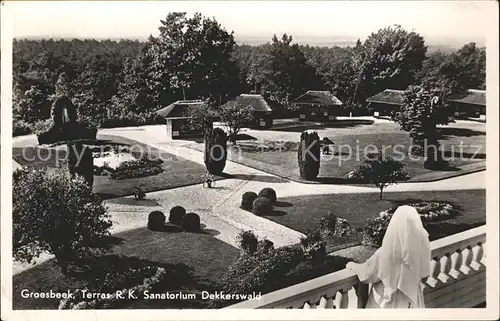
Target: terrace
457 280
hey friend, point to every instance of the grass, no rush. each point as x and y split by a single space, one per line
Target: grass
283 162
194 261
306 211
177 171
336 167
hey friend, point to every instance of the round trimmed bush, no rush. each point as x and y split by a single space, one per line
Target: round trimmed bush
191 223
268 193
262 206
156 221
177 214
247 200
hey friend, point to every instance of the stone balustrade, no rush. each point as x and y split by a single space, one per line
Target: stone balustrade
457 280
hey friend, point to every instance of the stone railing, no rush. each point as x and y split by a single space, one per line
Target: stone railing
457 279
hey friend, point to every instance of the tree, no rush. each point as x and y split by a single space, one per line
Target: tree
235 117
464 69
63 86
33 105
56 213
422 110
381 172
308 155
192 58
97 85
391 58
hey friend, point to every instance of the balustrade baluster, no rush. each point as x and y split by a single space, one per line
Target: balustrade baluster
444 267
341 300
455 264
466 259
434 272
322 303
477 254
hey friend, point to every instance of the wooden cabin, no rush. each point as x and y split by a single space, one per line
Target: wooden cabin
319 106
262 111
471 104
177 116
385 102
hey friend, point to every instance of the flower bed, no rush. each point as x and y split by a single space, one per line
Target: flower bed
429 211
124 165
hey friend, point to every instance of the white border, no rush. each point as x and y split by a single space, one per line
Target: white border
492 250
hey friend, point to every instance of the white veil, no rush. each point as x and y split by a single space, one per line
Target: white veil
405 254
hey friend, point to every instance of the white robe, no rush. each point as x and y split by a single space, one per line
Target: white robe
395 270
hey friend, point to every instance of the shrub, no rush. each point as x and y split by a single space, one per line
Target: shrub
248 242
313 245
310 269
308 155
134 277
247 200
262 206
139 193
261 272
57 213
265 246
374 230
268 193
177 214
156 221
191 223
327 224
20 127
215 150
42 126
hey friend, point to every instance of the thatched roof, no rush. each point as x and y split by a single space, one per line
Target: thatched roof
471 97
179 109
388 96
256 102
324 98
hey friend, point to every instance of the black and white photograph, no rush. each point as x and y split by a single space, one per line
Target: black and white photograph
166 159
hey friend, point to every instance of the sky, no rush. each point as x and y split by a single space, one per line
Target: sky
308 21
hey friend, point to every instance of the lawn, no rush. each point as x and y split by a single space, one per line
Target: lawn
177 171
305 212
194 261
350 147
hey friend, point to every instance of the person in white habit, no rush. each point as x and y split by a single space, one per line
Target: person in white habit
397 267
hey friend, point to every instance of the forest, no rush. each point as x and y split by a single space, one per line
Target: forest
123 83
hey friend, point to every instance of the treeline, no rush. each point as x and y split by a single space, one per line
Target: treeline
120 83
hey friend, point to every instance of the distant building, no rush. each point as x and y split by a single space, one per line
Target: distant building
319 106
385 102
469 104
262 111
177 116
